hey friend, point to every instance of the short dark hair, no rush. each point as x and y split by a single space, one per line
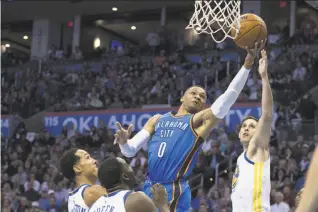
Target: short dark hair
199 86
109 173
68 160
241 124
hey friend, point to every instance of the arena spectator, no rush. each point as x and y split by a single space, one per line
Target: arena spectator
280 205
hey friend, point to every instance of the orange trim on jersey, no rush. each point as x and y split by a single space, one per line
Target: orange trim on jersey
176 193
184 167
192 128
173 193
175 209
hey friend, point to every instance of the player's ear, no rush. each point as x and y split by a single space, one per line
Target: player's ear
77 169
181 100
125 177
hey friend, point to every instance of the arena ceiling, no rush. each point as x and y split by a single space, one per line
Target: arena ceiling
64 10
17 16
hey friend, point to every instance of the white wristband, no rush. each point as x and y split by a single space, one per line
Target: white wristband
135 144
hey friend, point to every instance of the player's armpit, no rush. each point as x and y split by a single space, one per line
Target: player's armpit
93 193
139 202
203 122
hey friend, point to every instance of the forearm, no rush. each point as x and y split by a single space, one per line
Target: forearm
135 144
267 99
309 199
222 105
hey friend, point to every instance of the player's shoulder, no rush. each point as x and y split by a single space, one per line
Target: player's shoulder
137 198
93 193
154 119
138 201
241 157
136 195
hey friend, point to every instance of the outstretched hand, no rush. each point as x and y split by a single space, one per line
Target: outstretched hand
263 64
159 195
122 135
253 53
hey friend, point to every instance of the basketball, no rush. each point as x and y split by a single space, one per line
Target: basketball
253 29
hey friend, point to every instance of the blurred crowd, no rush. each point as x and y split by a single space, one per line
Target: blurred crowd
31 180
133 81
124 78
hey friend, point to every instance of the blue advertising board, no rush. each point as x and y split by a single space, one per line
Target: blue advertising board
5 125
84 120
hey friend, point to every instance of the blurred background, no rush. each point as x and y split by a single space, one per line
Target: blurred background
70 69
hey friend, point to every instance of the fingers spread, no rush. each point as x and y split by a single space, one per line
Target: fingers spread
119 127
130 128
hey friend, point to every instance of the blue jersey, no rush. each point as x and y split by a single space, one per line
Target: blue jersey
173 148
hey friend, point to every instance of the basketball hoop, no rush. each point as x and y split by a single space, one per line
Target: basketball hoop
215 17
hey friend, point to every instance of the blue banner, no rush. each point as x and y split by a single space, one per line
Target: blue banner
84 120
5 125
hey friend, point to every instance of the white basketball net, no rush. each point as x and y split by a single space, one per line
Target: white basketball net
217 18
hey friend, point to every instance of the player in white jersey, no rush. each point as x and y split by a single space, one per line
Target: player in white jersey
251 180
119 179
78 165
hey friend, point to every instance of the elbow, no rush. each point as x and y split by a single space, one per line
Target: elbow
127 150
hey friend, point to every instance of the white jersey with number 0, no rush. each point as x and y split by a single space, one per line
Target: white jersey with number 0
112 202
76 200
251 186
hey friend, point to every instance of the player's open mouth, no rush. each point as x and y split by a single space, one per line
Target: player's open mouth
245 134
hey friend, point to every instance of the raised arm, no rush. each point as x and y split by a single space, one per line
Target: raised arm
205 120
309 198
263 129
129 147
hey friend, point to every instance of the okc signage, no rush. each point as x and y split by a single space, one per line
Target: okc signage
84 120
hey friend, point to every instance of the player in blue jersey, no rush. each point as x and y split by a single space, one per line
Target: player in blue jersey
174 139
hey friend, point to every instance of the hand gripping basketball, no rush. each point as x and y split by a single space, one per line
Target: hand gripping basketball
253 53
122 135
